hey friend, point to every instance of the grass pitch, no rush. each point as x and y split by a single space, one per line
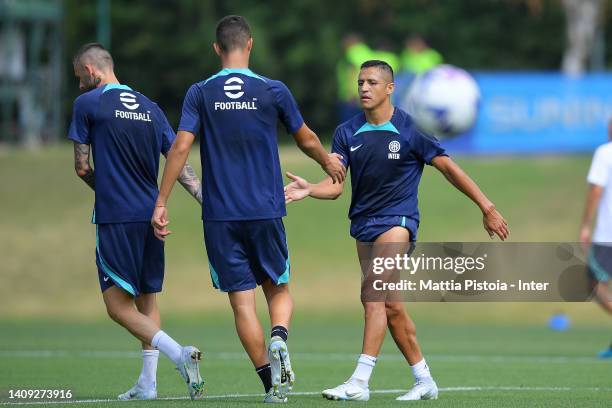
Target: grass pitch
474 365
53 332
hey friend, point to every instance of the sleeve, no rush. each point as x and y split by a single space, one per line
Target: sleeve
190 116
340 146
81 120
288 111
168 134
598 173
425 146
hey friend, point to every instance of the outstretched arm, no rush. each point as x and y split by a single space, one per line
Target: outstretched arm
300 188
81 164
175 163
590 207
310 144
492 220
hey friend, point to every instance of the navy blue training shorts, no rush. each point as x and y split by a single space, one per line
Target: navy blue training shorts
244 254
130 257
367 229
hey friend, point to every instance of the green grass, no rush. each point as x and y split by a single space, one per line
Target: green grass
554 369
47 237
50 301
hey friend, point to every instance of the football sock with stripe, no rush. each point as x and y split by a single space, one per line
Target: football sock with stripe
265 375
280 331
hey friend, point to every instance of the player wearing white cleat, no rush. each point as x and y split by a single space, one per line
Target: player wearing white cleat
189 369
421 390
352 390
283 377
138 393
272 398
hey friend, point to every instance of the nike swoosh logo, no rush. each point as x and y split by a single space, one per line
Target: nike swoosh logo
353 148
105 279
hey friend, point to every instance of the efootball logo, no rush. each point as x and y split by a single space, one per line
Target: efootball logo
128 100
233 88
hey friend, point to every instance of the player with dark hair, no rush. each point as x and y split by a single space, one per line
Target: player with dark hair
386 154
127 132
235 113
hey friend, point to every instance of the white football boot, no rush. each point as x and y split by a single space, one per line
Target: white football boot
138 393
283 377
189 369
272 398
421 390
349 391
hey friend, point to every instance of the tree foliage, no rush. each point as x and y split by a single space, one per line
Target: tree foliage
161 47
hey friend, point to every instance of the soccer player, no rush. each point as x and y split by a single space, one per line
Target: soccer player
235 113
386 153
127 132
599 199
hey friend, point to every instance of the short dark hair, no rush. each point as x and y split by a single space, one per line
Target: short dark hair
232 33
380 64
93 53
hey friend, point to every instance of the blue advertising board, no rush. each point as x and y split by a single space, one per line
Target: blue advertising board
538 113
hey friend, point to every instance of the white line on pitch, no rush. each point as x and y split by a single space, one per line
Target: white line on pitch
310 393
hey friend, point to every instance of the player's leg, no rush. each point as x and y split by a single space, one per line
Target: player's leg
120 307
251 336
231 271
119 256
269 260
600 272
396 241
356 388
146 385
248 327
280 308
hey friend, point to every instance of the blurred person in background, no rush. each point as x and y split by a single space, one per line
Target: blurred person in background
599 243
355 52
418 57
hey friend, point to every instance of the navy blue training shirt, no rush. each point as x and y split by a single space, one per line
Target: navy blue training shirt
386 163
127 133
235 113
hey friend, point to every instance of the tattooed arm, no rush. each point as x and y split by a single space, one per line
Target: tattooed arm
81 164
190 181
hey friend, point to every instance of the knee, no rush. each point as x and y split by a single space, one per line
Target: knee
242 309
114 313
394 310
373 309
396 315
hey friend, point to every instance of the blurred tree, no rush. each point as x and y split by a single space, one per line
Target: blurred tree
583 18
161 47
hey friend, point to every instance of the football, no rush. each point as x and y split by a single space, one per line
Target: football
443 101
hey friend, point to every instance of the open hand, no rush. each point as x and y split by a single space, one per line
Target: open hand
297 190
